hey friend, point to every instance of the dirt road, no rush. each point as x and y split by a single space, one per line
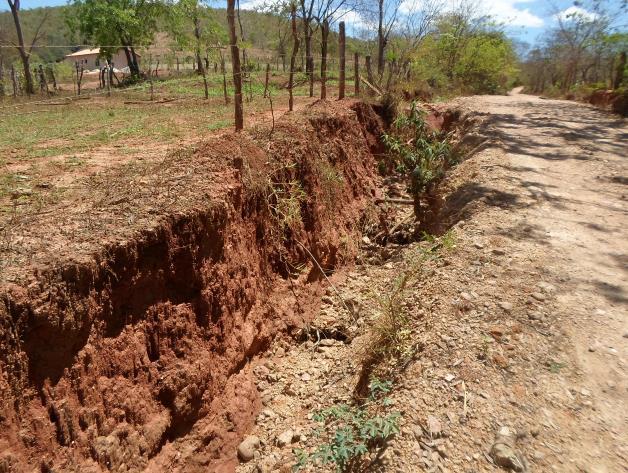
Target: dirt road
523 324
567 164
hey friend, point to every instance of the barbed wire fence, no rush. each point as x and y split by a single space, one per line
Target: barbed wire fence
263 80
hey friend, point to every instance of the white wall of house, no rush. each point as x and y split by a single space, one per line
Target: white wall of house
94 61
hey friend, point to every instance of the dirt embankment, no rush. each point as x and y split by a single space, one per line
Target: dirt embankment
135 354
615 101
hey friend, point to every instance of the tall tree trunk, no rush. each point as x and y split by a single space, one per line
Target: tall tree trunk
266 80
293 57
199 59
224 77
356 74
136 64
21 47
1 77
324 38
235 59
619 71
309 60
131 60
369 69
381 39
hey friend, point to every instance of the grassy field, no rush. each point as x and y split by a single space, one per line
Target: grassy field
48 142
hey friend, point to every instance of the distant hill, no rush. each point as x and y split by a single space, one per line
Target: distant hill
264 33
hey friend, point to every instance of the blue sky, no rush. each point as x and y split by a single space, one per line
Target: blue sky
525 19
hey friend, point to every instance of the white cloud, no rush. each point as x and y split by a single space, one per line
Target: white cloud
253 4
506 11
510 12
575 12
352 18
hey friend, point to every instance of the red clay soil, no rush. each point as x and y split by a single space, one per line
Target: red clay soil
132 312
615 101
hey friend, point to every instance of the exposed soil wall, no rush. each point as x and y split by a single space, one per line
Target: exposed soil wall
137 356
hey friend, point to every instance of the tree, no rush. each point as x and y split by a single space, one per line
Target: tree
387 16
582 51
237 70
295 50
128 23
577 30
326 12
619 71
23 51
193 25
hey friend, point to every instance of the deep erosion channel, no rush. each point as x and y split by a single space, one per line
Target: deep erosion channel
136 356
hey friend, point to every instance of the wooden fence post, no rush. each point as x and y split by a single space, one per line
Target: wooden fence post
295 51
108 71
14 81
79 77
369 71
43 83
53 77
324 39
266 81
1 77
235 61
342 45
223 69
356 74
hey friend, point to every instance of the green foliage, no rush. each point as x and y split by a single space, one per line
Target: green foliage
464 55
425 156
193 25
115 22
349 432
487 64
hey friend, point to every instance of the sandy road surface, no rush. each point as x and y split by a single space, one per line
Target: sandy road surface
571 163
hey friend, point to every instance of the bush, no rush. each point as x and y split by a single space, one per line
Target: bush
422 154
350 432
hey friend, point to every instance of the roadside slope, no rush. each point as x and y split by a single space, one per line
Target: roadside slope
520 325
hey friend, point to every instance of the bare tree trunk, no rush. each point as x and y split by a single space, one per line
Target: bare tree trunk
1 77
21 47
108 70
342 40
356 74
369 70
266 81
381 39
14 81
199 60
135 70
293 57
79 77
235 60
42 81
53 77
324 39
619 71
223 69
205 84
131 60
309 60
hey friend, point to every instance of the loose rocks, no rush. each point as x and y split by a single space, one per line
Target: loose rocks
247 448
